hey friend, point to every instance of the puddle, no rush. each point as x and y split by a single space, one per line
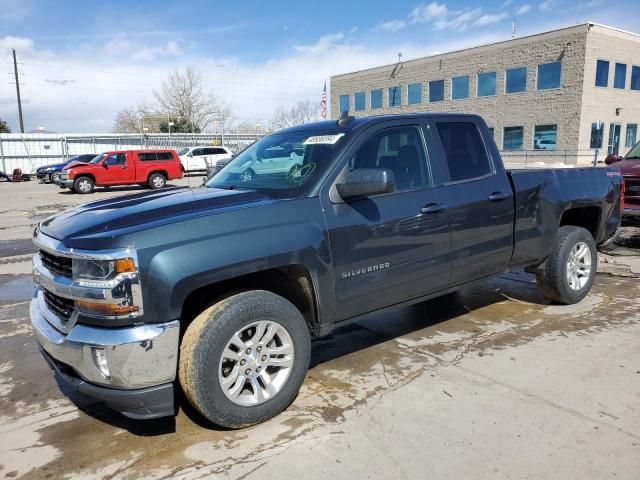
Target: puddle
15 287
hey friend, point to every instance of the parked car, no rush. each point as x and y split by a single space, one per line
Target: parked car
198 159
219 290
629 165
51 173
151 168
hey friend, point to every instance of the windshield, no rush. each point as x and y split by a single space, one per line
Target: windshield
282 165
98 158
634 152
184 151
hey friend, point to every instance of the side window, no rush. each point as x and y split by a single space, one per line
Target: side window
147 156
117 159
464 150
165 156
399 149
219 151
198 152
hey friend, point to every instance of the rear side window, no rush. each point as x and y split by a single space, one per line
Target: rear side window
147 156
219 151
464 150
153 156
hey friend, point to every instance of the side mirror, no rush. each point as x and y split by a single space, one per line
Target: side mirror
105 164
190 154
612 159
364 182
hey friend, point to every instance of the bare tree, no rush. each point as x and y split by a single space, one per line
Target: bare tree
304 111
127 120
183 95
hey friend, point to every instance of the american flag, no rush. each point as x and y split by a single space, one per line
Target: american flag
323 102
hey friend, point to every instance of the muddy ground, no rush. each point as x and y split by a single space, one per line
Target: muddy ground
492 382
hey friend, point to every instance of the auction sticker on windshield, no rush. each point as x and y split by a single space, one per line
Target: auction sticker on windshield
323 139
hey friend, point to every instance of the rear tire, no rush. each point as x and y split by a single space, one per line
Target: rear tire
156 181
230 367
570 269
83 185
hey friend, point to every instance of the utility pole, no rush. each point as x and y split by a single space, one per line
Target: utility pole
15 71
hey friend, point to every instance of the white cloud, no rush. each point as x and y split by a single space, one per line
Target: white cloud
526 8
392 25
324 43
81 89
426 13
546 5
491 18
121 46
19 43
458 21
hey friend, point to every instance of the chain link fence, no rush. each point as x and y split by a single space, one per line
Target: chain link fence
32 150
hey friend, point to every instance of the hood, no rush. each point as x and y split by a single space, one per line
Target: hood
76 163
95 224
629 167
53 165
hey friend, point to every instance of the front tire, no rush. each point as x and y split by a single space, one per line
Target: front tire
83 185
55 176
570 269
243 360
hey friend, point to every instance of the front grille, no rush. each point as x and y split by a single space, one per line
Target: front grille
632 188
56 264
62 307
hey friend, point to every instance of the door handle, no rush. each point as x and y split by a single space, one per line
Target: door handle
497 196
433 208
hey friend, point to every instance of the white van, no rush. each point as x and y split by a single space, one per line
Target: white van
197 159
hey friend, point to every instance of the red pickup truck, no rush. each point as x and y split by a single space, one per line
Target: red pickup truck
150 168
629 165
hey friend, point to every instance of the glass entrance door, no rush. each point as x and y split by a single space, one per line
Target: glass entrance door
614 139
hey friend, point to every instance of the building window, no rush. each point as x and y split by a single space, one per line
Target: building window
436 91
358 101
620 75
602 73
376 99
632 135
545 137
596 135
635 78
515 80
486 84
414 93
549 75
395 97
513 138
459 88
344 103
492 132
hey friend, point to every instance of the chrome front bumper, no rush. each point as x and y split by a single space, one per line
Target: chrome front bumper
138 356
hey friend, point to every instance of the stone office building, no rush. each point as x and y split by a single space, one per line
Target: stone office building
551 97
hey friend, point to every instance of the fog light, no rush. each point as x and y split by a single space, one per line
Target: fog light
100 360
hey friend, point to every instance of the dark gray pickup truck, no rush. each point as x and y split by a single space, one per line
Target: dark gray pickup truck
219 290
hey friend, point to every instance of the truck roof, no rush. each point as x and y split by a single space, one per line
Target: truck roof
355 123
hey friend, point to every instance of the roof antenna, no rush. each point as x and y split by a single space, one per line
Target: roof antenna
344 119
398 67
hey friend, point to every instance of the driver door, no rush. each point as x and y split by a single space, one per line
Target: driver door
390 248
119 169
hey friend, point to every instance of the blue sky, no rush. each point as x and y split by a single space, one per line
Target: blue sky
82 61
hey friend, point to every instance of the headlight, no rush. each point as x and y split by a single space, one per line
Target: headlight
90 272
118 277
